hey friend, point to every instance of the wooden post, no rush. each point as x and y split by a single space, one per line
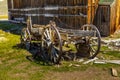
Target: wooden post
89 12
92 8
118 15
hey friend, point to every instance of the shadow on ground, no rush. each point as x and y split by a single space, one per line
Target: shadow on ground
13 28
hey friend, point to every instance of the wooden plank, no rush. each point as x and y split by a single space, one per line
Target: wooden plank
102 20
118 15
114 72
112 18
89 11
76 32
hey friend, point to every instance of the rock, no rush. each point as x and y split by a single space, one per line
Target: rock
114 72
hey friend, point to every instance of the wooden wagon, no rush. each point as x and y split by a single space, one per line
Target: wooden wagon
54 41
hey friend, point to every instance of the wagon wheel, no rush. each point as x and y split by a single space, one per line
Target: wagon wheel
94 40
51 44
25 38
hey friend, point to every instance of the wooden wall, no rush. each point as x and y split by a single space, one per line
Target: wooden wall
118 15
107 18
102 19
74 13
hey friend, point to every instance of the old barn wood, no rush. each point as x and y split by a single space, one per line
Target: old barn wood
118 15
106 17
72 12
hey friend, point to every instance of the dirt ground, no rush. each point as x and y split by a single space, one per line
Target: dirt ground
89 74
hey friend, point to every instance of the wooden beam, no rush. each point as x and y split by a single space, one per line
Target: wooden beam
118 15
89 13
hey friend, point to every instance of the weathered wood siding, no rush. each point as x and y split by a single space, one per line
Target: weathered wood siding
113 18
105 18
74 13
102 19
118 15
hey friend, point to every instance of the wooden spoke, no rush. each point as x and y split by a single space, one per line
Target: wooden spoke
51 42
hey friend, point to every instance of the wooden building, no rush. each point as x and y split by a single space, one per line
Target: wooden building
105 18
73 13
